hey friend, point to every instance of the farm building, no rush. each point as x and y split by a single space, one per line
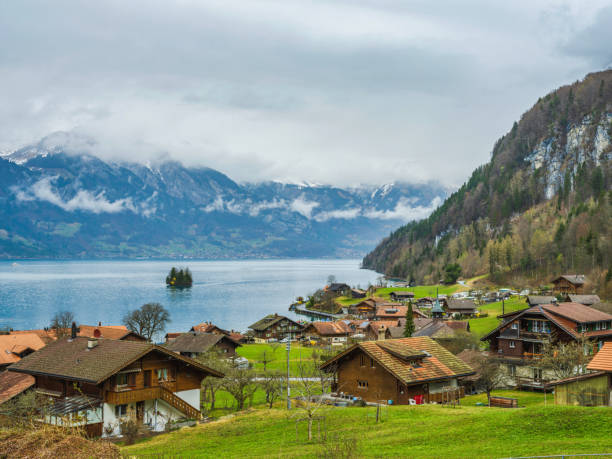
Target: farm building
569 283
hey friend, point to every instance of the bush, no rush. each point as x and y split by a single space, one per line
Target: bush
129 430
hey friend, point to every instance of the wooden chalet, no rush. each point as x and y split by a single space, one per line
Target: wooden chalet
333 333
274 327
364 309
95 382
14 347
462 307
520 338
569 283
397 371
589 389
338 288
358 293
401 296
193 344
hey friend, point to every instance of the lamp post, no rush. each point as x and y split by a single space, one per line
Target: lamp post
288 387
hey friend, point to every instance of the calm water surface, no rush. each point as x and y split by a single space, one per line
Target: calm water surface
232 294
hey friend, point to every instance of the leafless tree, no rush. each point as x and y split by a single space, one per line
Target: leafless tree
565 359
240 383
62 322
149 320
213 359
271 383
489 373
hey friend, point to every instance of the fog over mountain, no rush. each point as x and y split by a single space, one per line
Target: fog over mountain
59 204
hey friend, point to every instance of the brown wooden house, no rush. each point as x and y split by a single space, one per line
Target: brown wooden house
521 336
334 333
95 383
569 283
398 370
274 327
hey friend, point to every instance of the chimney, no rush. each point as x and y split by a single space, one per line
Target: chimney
73 331
381 333
99 324
91 343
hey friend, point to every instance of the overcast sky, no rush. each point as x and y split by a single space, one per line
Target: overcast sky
335 92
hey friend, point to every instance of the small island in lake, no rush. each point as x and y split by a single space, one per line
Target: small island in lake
179 278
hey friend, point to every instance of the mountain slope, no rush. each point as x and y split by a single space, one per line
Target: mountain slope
55 204
540 206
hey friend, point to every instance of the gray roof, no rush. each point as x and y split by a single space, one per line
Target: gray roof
576 279
196 342
268 321
454 303
532 300
587 300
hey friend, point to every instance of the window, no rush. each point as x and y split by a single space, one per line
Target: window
122 379
120 410
597 325
512 370
362 384
512 344
537 374
362 360
162 374
579 328
372 363
515 325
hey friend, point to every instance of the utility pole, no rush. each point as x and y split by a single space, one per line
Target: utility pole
503 306
288 387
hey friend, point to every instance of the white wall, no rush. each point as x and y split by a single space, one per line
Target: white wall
435 387
191 396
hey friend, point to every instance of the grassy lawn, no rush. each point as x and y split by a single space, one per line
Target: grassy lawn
276 354
484 325
421 291
525 399
422 431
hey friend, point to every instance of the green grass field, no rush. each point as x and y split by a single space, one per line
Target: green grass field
422 431
482 326
276 354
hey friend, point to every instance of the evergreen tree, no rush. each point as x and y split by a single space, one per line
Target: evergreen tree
409 328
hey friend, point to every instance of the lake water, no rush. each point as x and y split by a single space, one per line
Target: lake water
231 294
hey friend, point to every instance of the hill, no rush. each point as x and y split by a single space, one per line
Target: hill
60 204
541 206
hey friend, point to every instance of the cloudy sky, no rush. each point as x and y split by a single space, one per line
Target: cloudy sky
338 91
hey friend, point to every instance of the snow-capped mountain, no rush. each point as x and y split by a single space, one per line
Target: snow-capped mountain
55 204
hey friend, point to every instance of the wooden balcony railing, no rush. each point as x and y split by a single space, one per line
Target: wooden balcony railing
179 404
531 355
134 395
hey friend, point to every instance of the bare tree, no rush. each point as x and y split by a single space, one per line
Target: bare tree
271 383
312 381
489 374
210 385
565 359
240 383
62 323
147 321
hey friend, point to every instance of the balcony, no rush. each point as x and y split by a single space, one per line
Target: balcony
133 395
531 355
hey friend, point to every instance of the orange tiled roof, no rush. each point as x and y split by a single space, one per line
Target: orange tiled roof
105 331
603 359
331 328
12 384
391 311
12 345
402 358
46 335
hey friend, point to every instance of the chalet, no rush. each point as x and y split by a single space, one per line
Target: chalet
14 384
390 312
379 329
14 347
425 302
521 336
192 344
443 331
365 308
401 296
357 293
463 307
337 288
334 333
95 383
589 389
587 300
397 371
569 283
274 327
534 300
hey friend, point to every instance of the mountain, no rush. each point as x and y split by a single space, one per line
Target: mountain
540 206
59 204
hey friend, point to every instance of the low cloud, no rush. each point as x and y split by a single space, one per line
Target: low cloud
404 211
255 209
346 214
83 200
302 206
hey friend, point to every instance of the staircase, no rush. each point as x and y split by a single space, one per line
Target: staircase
178 403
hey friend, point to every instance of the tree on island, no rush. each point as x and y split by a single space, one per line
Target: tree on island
179 278
147 321
62 323
409 327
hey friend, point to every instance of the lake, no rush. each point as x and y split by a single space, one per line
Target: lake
231 294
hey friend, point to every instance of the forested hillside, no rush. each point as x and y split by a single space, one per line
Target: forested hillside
540 207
